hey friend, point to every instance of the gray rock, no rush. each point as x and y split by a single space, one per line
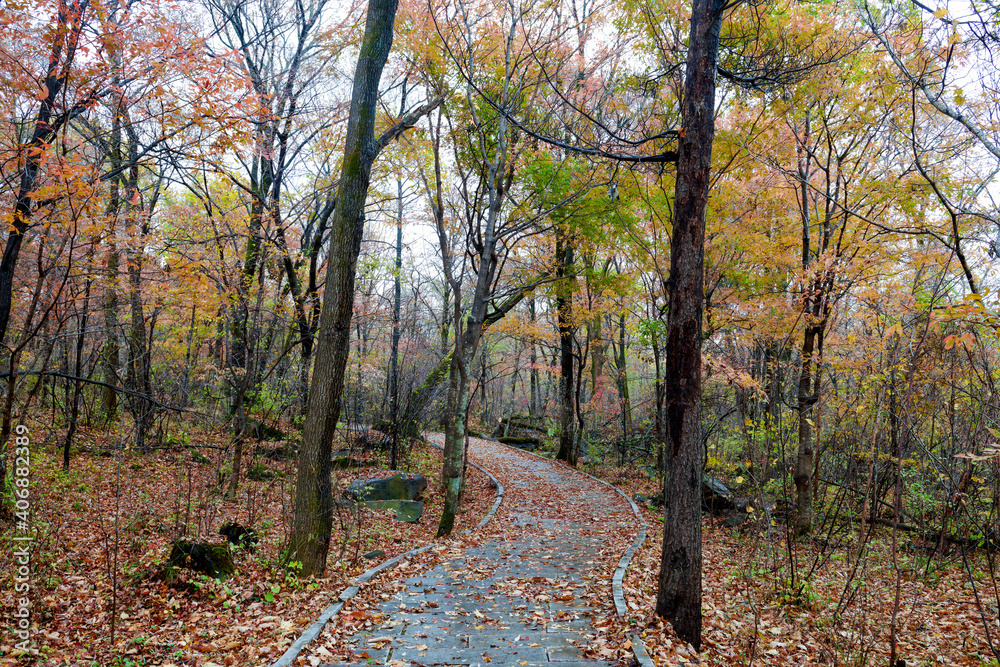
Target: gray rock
401 486
409 511
520 442
652 501
716 497
376 553
736 519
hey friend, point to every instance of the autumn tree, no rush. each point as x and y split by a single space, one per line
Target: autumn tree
310 539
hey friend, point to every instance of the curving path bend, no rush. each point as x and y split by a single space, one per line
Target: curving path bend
533 590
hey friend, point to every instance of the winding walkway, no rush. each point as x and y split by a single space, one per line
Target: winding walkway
528 593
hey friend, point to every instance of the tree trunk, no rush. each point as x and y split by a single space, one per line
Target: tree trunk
110 350
138 363
658 430
678 597
454 433
596 337
394 352
533 401
621 361
808 395
74 408
313 518
564 316
190 357
138 350
484 413
445 319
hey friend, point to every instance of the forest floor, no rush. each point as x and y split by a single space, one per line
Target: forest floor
105 527
838 609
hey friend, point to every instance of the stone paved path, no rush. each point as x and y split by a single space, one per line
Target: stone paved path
516 599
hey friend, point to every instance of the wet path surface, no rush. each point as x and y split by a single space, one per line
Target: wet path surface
531 592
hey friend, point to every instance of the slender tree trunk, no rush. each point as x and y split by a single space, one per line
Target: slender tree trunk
241 430
190 356
678 597
110 350
533 407
138 350
808 395
484 412
596 336
445 319
394 352
139 371
658 388
81 336
313 518
621 361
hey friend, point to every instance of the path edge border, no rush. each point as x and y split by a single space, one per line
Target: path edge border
638 646
316 627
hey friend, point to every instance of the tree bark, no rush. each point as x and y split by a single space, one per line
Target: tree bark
394 352
564 316
621 361
445 319
808 395
313 518
678 598
456 416
110 350
596 336
81 335
138 350
533 401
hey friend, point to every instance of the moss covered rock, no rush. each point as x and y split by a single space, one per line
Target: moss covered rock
213 560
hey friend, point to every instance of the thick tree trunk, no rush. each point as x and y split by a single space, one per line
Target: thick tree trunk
313 519
456 416
564 315
678 598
